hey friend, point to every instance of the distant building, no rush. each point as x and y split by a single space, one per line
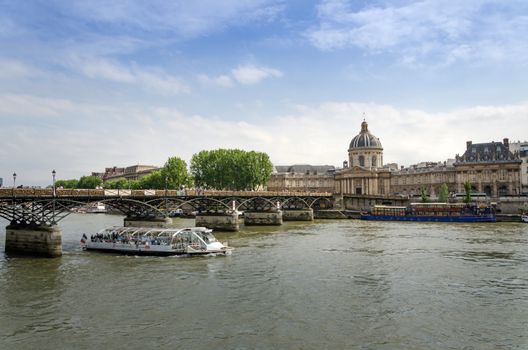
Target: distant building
491 168
364 172
426 175
1 182
495 168
302 177
133 172
521 148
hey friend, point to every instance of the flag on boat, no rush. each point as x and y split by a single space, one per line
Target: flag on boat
84 238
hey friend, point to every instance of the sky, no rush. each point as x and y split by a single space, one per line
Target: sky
86 85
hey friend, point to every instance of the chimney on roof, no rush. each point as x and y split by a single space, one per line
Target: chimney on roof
506 143
468 144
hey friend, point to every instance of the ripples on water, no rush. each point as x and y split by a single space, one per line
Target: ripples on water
330 284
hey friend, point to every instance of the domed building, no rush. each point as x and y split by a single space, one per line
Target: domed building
364 172
365 149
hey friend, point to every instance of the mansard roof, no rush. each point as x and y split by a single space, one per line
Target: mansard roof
491 152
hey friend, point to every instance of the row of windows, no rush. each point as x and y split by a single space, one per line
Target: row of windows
361 160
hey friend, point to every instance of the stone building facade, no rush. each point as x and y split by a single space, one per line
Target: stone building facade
363 173
521 148
491 168
427 175
302 178
132 172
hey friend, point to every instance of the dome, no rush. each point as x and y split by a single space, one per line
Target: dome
365 139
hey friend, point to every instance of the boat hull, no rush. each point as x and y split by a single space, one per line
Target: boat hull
483 218
131 249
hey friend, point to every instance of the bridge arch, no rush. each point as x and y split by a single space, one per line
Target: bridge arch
257 204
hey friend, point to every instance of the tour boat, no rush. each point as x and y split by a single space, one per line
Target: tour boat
97 208
156 241
440 212
524 218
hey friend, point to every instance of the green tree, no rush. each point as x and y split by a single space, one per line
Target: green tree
443 193
175 171
467 190
231 169
154 180
423 194
89 182
72 183
118 183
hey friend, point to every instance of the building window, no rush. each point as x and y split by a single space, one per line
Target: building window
361 161
374 161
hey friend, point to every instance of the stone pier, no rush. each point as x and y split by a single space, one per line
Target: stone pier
298 214
263 217
35 240
159 222
218 221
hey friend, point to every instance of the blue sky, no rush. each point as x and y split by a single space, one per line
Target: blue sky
86 85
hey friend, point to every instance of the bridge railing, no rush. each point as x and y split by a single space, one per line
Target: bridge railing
48 192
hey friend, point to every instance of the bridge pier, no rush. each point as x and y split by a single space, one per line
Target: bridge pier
161 222
33 239
298 214
263 218
217 221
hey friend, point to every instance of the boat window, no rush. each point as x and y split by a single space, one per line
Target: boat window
209 238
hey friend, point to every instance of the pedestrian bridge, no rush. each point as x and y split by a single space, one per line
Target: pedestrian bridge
33 214
45 206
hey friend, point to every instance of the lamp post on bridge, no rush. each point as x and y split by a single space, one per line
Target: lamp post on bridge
14 194
166 185
14 183
53 173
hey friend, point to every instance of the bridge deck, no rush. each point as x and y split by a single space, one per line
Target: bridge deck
100 193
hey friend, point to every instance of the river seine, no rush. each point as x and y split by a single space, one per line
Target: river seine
323 285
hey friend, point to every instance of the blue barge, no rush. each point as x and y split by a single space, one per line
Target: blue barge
432 212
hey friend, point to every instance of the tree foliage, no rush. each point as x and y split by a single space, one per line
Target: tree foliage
231 169
467 190
443 193
423 195
72 183
119 183
154 180
173 174
175 171
89 182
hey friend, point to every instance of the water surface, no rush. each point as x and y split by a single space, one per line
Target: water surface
328 284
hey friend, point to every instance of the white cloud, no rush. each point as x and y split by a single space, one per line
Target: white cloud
246 74
15 69
33 106
443 31
221 80
48 133
144 77
249 74
185 19
104 69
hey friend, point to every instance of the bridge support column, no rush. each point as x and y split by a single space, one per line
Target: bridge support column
263 218
298 214
218 222
161 222
35 240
